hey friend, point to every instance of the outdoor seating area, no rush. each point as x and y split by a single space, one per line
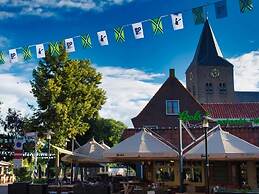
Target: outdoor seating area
156 165
5 174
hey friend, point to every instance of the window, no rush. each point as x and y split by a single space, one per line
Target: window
164 170
209 88
172 107
222 88
192 172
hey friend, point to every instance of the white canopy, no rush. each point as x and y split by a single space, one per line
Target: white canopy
91 152
222 145
3 163
141 146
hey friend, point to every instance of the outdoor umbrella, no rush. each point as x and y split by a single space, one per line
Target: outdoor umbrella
222 145
141 146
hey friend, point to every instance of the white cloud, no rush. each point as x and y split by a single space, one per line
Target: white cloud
6 15
47 8
15 93
128 91
4 42
246 71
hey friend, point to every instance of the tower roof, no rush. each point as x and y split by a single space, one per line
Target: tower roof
208 52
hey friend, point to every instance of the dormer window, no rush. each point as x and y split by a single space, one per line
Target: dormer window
172 107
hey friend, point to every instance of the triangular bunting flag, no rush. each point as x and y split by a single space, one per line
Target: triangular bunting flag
177 21
2 61
221 9
26 53
70 46
40 51
246 5
119 34
198 15
54 49
86 41
102 37
138 30
157 25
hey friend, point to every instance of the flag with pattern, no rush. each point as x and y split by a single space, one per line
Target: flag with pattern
198 15
2 61
26 53
246 5
13 56
221 9
54 49
102 37
40 51
86 41
177 21
138 30
119 34
157 25
69 45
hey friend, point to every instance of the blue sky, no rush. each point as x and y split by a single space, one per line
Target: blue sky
133 70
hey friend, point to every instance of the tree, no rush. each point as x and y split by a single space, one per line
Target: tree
13 123
68 95
107 130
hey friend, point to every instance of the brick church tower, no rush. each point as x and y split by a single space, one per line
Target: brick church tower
210 77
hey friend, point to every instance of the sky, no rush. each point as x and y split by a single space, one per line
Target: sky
135 69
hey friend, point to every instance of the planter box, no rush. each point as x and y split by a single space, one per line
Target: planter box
38 189
18 188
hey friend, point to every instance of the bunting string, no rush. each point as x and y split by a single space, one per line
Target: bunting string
199 17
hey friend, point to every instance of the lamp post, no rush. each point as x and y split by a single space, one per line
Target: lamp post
205 125
48 134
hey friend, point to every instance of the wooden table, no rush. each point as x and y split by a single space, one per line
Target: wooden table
129 185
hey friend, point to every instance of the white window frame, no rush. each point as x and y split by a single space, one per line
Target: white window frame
178 102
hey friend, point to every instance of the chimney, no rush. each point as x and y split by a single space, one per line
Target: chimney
172 73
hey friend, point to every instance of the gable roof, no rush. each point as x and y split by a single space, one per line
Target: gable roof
142 145
223 145
154 113
232 110
208 52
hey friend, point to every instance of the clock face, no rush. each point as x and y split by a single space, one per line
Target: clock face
214 73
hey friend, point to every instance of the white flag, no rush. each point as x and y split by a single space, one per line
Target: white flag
69 44
138 30
177 20
40 51
13 56
102 37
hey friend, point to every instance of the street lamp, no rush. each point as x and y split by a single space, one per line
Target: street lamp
205 125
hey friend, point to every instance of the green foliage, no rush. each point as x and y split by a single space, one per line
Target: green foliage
68 95
13 122
108 130
23 174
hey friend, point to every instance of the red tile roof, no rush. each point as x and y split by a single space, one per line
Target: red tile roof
232 110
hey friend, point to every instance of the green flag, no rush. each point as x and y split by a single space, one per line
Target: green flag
26 53
246 5
54 48
86 41
119 34
2 58
198 15
157 25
